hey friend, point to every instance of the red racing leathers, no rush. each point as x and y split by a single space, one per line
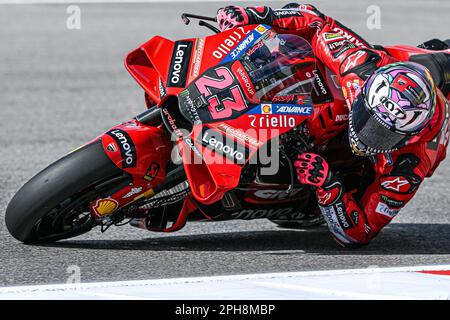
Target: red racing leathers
356 216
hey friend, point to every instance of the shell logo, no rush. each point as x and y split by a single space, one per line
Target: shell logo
105 206
266 109
261 29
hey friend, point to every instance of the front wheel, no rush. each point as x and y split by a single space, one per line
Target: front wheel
54 204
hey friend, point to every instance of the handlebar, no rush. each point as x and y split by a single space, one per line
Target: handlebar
187 16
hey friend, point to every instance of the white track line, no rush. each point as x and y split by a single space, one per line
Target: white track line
372 283
330 293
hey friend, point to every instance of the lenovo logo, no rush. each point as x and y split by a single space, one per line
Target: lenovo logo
223 145
179 66
126 146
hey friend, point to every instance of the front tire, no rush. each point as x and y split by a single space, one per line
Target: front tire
54 204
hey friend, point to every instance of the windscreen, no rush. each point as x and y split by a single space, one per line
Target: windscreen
280 65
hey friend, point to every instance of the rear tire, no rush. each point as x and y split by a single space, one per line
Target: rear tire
54 204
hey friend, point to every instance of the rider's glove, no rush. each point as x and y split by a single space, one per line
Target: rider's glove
312 169
232 16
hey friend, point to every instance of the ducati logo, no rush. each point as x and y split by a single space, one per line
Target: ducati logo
126 147
111 147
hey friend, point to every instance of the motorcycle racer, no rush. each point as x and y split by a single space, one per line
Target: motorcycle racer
398 120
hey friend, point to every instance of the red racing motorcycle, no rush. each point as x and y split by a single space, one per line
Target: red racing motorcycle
226 116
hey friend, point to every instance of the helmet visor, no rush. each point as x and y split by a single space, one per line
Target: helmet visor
369 133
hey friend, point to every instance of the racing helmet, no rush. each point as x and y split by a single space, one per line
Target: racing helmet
395 104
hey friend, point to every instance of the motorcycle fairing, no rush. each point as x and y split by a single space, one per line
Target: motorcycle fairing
150 66
145 67
213 173
217 173
216 95
128 145
217 132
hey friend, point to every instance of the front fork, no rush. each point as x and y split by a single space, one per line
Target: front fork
158 222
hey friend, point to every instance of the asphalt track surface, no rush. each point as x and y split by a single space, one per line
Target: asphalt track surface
60 88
